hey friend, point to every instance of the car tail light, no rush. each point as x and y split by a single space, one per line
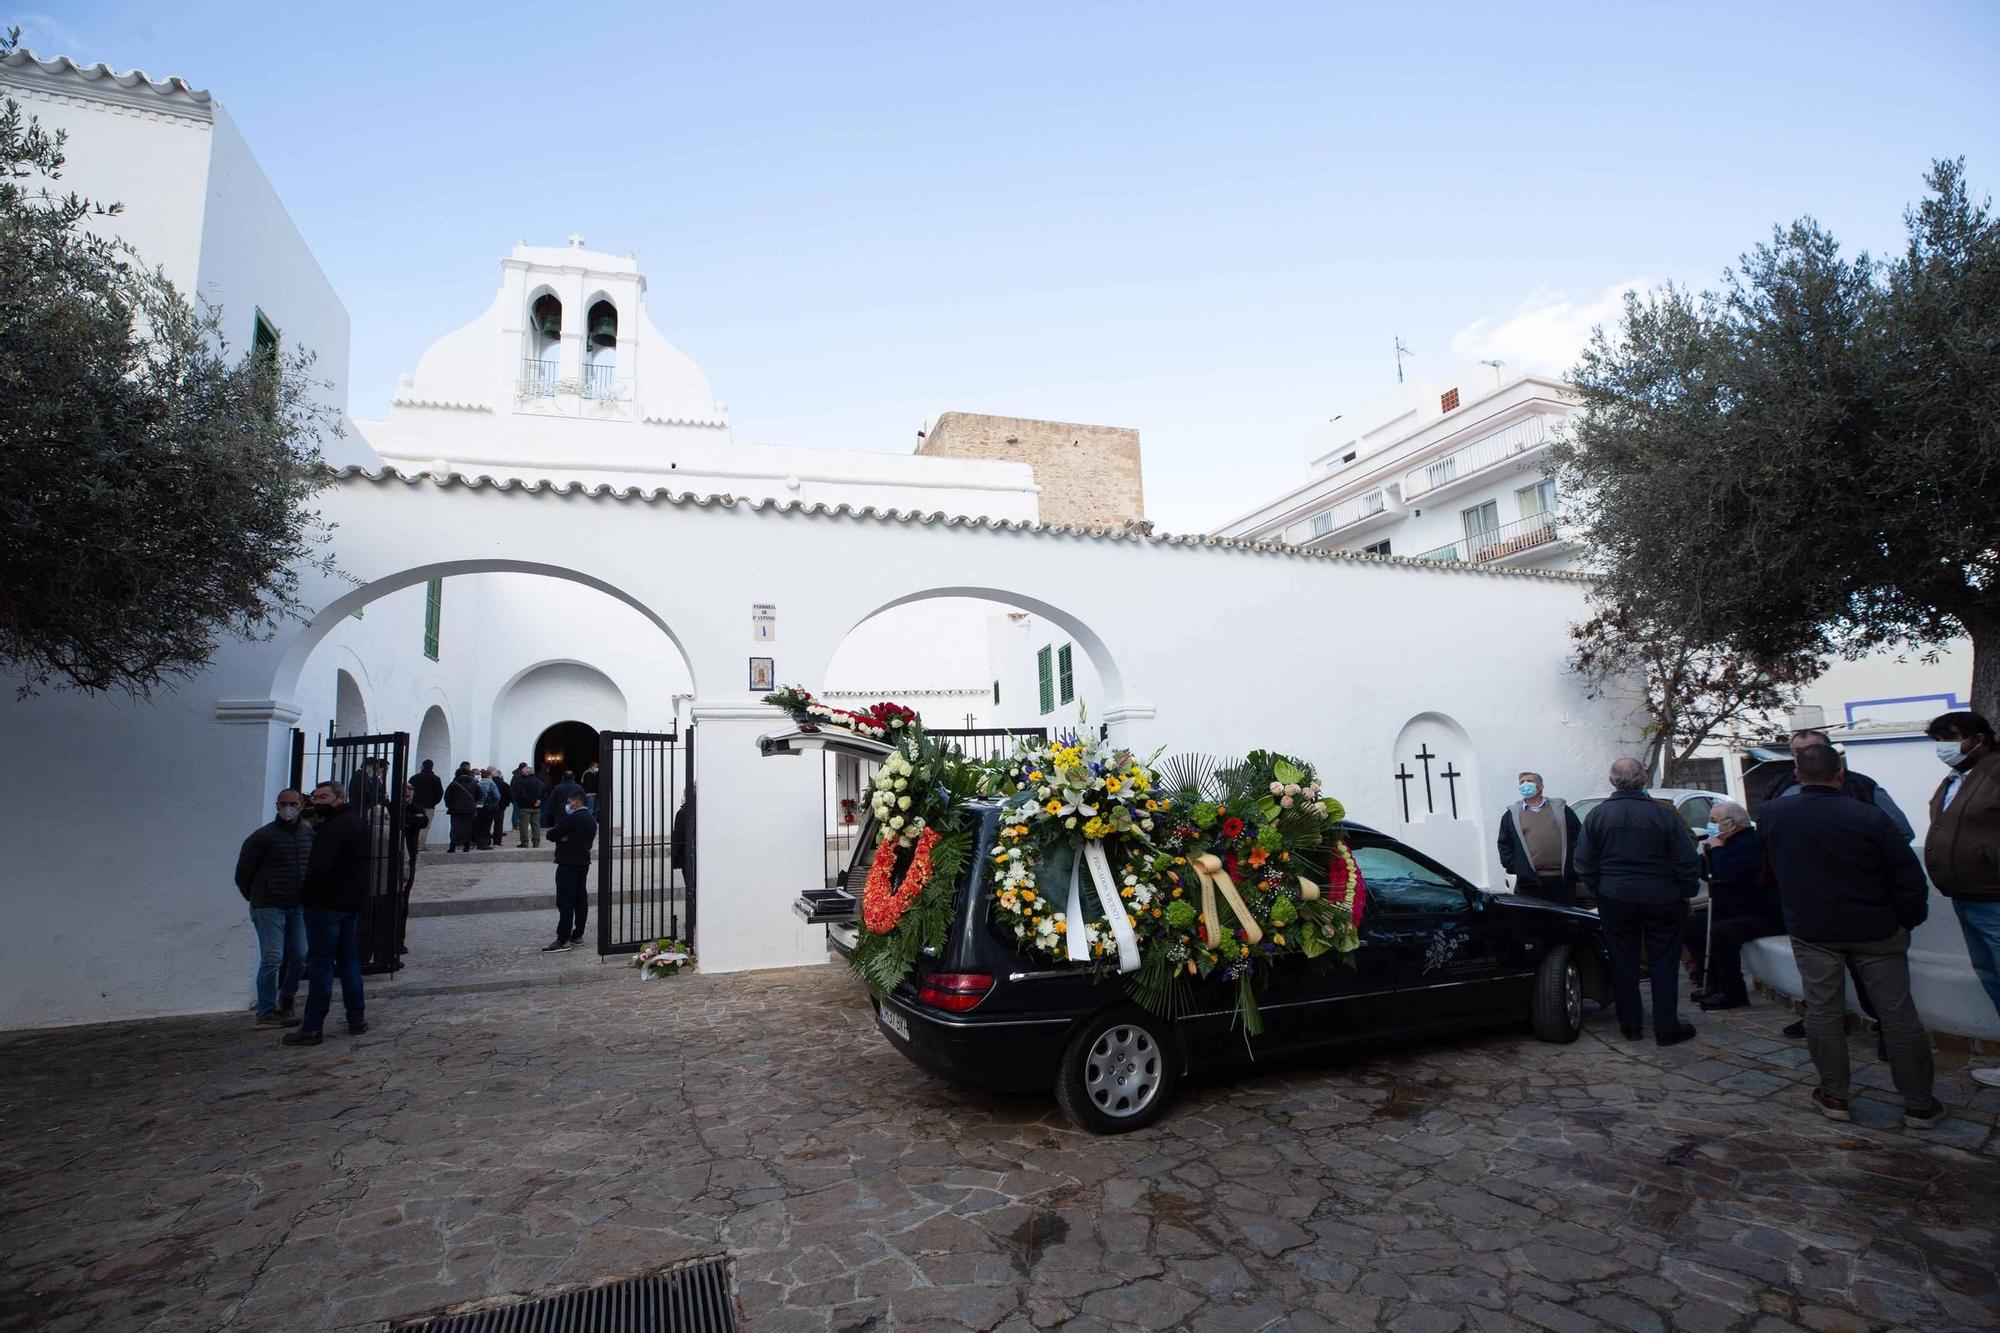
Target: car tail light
954 991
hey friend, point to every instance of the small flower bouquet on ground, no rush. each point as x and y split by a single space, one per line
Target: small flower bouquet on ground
663 958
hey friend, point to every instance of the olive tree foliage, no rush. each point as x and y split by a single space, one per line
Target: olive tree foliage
1805 461
155 485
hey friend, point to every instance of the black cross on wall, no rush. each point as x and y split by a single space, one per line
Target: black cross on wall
1403 776
1424 757
1451 775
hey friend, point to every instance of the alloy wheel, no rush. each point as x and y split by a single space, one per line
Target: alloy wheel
1121 1075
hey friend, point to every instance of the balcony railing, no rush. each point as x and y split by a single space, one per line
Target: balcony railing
1482 453
1501 542
1349 511
538 379
600 381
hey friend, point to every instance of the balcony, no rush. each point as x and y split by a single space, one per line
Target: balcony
600 382
1502 544
538 379
1502 446
1354 512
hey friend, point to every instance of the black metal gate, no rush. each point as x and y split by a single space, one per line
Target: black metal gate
372 770
645 834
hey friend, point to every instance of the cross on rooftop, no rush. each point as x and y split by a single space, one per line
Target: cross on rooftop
576 240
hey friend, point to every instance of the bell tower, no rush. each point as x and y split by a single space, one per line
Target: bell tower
568 332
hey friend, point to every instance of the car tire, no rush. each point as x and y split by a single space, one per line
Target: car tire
1117 1073
1557 1008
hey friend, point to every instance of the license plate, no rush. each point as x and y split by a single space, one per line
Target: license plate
893 1021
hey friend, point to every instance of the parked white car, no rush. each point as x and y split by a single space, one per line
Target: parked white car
1690 803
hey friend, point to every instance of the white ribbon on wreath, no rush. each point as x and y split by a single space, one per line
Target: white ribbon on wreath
1106 888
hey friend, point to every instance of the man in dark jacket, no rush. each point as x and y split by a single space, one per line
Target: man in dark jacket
1962 848
1857 785
1744 906
1538 836
461 801
335 890
1635 857
428 786
528 793
590 786
572 835
1852 889
270 872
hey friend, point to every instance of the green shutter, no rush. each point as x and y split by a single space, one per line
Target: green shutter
1045 668
996 694
433 616
1067 675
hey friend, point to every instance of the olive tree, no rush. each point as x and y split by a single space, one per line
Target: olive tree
1807 459
157 483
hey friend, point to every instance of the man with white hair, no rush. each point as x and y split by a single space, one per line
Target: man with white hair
1743 905
1636 859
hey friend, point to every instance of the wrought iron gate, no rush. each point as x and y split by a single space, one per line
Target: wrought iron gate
377 794
645 833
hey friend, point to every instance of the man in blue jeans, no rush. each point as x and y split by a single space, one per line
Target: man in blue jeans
270 873
572 836
1636 857
1962 848
336 888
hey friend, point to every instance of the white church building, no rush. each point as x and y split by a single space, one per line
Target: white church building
554 525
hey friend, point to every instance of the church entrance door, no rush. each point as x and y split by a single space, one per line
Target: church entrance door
567 747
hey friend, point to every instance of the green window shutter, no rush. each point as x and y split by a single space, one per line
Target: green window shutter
433 616
1045 668
1066 674
996 694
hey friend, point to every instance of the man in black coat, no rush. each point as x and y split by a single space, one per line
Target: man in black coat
1538 836
428 786
1636 858
527 792
335 891
1744 906
1852 891
270 873
461 801
572 835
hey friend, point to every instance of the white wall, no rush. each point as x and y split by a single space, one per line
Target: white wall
150 924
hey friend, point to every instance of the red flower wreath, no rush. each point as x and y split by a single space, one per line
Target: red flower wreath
883 901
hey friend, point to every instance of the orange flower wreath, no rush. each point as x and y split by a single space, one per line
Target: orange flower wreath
883 901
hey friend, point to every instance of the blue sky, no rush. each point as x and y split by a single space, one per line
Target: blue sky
1206 221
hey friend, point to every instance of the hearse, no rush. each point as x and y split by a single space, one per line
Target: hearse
1438 955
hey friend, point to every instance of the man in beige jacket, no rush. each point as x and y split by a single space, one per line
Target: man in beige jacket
1962 849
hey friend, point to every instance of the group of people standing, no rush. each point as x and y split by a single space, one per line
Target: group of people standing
1828 863
478 801
305 877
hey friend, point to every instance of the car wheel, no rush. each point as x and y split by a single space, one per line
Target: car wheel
1557 1010
1117 1073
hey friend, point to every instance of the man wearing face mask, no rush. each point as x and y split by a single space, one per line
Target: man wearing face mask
270 872
1745 905
572 835
1538 837
1962 848
336 888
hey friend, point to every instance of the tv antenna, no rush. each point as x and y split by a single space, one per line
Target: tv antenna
1402 350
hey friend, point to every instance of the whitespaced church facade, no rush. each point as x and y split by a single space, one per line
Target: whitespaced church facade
554 524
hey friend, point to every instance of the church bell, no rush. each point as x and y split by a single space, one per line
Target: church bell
604 330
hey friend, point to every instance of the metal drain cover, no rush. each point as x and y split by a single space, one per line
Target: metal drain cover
693 1298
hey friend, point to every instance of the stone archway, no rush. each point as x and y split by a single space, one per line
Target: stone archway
1435 768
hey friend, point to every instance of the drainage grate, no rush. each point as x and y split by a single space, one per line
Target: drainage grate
690 1299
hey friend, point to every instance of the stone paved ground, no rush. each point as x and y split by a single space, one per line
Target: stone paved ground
191 1174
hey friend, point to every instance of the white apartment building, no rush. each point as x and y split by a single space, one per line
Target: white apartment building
1450 470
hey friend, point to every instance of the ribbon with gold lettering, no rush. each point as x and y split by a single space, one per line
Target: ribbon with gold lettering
1214 880
1105 886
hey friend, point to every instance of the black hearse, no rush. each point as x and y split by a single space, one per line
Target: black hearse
1438 955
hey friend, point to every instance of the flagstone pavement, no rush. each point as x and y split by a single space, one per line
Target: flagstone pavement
192 1174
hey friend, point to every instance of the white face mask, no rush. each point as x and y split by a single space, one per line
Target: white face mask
1949 754
288 813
